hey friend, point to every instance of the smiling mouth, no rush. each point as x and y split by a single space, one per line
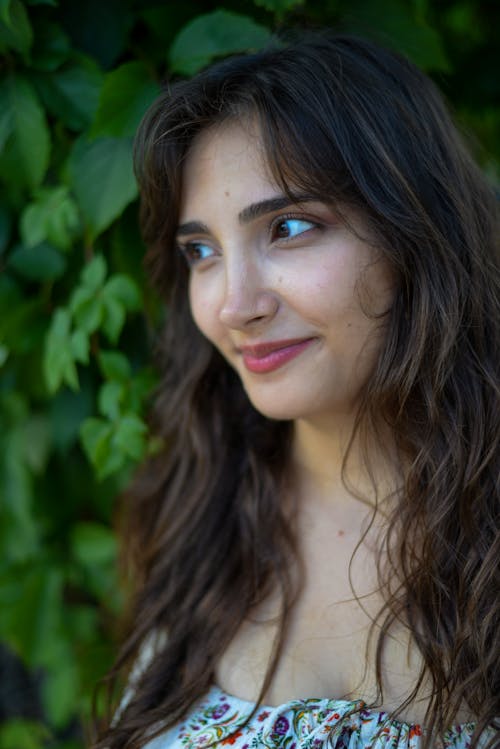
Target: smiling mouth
266 357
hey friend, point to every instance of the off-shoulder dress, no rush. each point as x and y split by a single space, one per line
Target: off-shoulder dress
218 720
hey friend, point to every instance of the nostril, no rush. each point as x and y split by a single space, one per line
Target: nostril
241 312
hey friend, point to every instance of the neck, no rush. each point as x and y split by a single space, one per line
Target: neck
331 466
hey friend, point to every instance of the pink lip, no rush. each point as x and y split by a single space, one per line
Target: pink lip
266 357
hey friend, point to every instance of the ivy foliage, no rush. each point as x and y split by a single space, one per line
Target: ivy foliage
77 320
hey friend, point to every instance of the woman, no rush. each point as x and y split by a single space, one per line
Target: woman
316 548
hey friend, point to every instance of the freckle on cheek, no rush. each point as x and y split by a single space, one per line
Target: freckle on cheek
226 193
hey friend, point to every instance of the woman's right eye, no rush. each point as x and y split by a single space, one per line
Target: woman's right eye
195 252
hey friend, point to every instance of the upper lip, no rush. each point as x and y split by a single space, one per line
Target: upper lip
260 350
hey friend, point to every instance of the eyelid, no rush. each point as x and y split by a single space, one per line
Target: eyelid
294 216
185 246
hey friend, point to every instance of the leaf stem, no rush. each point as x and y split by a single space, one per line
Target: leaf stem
88 246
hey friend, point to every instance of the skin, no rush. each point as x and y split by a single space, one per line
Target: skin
293 273
263 272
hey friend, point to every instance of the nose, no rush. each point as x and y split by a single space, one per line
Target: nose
247 299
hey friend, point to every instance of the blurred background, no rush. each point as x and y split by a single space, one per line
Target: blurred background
77 320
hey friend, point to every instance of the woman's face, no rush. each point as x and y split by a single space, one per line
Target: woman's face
281 289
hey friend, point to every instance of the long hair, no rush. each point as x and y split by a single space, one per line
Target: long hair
206 530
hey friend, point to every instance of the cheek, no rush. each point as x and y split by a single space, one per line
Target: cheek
330 293
204 310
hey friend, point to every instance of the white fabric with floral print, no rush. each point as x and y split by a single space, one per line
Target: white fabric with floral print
217 720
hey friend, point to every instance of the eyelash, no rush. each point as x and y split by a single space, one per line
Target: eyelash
292 217
191 246
188 247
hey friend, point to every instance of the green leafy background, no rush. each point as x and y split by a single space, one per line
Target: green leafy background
77 320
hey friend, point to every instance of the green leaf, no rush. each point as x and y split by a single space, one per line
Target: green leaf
393 22
19 317
141 387
94 273
83 620
51 46
80 298
87 308
110 399
125 290
114 366
129 436
162 21
39 263
111 445
96 435
19 732
5 11
5 226
99 28
214 35
59 354
87 303
10 294
6 118
60 691
4 354
119 294
18 530
37 440
102 178
15 28
52 216
80 347
93 544
67 410
113 318
126 94
31 602
94 549
280 7
464 20
127 248
26 155
72 94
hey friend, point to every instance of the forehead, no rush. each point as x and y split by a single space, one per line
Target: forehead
239 137
228 160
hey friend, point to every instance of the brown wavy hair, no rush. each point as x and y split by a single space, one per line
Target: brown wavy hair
206 534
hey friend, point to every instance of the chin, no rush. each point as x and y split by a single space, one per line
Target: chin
281 408
286 403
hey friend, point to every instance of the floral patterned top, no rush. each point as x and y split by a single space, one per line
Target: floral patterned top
217 720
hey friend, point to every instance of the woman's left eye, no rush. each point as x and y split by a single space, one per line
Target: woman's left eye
195 252
288 228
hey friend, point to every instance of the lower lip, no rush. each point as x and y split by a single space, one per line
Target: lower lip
275 359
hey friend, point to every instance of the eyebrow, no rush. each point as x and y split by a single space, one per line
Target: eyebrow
250 213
